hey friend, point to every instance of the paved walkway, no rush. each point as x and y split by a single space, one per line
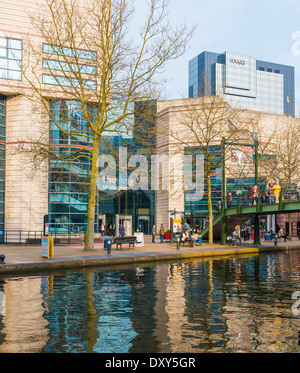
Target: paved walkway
20 259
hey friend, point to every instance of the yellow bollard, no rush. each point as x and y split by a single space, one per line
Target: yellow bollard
51 246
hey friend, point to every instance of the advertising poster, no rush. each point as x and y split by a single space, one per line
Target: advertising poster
140 238
45 247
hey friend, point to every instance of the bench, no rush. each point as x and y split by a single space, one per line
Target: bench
191 242
121 240
276 237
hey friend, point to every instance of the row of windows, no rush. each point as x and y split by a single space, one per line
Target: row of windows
68 82
68 67
69 52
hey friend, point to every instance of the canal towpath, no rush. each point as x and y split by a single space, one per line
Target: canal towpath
28 258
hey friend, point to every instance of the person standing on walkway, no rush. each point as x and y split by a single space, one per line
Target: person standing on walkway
153 233
254 195
110 230
277 189
102 229
271 194
162 233
229 200
122 231
237 234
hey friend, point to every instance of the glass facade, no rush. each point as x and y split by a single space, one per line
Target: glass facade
10 59
244 82
136 205
2 164
199 208
68 180
58 65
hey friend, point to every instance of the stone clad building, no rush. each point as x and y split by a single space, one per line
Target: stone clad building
173 116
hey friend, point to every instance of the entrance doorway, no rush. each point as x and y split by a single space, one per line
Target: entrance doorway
144 224
125 220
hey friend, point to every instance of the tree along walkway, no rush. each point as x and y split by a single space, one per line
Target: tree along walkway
231 217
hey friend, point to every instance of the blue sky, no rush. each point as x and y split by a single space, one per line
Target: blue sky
261 29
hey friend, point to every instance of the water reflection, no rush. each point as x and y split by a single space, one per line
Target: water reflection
236 304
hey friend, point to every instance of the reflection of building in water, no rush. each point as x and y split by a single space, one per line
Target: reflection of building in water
24 327
185 303
161 329
256 318
114 327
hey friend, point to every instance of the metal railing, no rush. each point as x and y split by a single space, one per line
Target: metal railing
263 198
15 237
21 237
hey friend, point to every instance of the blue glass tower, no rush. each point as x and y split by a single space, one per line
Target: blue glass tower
244 82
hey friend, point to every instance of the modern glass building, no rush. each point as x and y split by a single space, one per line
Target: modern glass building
135 209
68 180
244 82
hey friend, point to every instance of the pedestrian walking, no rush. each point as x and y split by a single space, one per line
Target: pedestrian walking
277 190
271 193
237 234
254 195
102 229
229 200
122 231
153 233
162 233
247 233
110 230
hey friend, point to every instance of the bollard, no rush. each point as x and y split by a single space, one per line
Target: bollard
108 246
2 257
51 246
178 243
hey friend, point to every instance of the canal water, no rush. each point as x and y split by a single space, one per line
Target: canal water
228 304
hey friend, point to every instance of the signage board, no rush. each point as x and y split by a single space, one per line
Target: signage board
45 247
140 238
176 225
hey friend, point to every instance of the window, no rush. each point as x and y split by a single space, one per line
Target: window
261 68
68 67
277 71
10 59
269 70
69 52
68 82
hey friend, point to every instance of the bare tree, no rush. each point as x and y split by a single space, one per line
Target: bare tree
288 157
90 59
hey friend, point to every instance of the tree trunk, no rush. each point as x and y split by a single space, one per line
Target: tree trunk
290 226
210 212
89 234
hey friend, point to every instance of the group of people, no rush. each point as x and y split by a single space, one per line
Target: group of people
269 195
186 236
111 230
